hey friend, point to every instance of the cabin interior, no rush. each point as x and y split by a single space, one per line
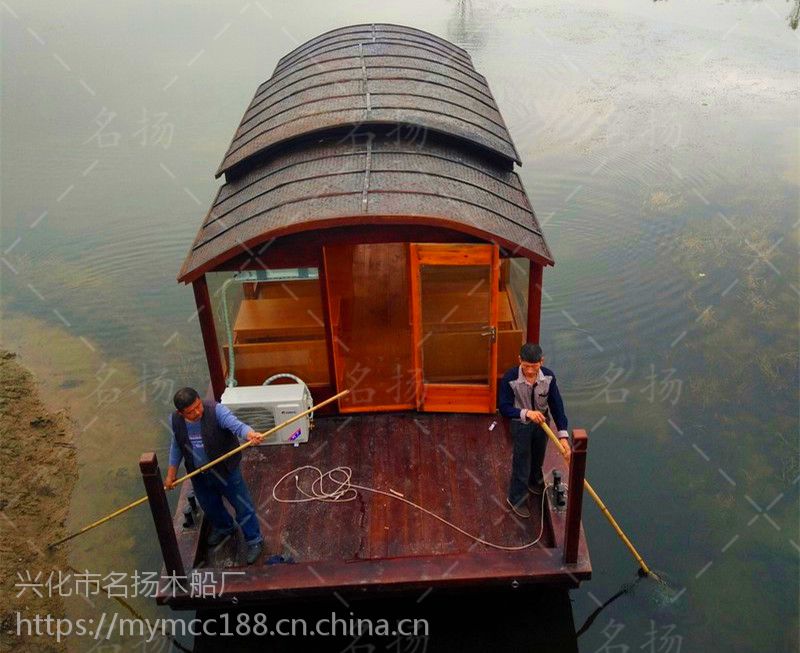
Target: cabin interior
425 326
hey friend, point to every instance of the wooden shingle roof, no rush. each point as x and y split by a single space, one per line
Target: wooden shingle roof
369 179
375 74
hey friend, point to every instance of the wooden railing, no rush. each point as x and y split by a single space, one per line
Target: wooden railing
157 496
577 473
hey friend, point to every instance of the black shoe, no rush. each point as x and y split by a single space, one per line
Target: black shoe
521 509
253 551
217 537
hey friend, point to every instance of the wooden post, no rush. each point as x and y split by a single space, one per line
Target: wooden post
322 273
157 496
209 331
577 473
534 302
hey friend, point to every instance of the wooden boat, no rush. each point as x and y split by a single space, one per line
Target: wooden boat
382 243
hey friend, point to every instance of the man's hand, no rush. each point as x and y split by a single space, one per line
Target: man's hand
255 437
172 473
567 449
535 416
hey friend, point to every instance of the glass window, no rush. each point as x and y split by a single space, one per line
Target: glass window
275 324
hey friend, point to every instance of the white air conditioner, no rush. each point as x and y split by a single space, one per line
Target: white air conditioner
262 407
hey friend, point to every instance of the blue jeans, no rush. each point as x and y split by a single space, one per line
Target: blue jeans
530 442
210 487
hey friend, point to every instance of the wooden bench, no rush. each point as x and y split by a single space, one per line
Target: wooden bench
279 318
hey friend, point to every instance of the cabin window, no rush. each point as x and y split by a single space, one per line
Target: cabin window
455 303
513 311
275 324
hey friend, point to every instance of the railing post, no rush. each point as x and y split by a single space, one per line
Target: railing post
534 302
577 473
157 496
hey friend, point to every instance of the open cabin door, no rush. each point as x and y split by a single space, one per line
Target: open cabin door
367 294
454 305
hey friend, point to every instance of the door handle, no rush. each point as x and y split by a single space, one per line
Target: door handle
490 331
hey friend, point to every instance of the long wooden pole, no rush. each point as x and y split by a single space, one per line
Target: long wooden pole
208 465
602 506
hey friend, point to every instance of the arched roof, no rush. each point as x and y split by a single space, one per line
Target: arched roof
367 179
375 74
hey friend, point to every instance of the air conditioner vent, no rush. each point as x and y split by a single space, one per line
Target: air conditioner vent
258 417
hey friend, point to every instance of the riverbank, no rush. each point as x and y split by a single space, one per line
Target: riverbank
38 473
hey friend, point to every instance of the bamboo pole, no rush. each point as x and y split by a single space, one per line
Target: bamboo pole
642 564
186 477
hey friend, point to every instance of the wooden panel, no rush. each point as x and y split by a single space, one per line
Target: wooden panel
455 357
280 318
293 288
508 346
456 398
367 287
257 361
454 254
458 310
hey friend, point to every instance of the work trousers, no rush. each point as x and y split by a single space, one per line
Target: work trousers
210 487
530 442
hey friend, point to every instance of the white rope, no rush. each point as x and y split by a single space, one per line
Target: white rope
343 490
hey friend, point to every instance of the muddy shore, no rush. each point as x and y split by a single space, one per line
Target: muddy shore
38 472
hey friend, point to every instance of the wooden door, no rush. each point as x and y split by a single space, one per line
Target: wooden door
454 292
367 294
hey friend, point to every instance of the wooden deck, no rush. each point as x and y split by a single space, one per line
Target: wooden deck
452 464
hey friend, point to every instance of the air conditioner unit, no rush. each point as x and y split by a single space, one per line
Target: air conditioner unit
262 407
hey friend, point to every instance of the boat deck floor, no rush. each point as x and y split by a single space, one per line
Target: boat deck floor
454 465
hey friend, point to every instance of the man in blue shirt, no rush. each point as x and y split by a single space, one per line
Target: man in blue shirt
529 396
202 432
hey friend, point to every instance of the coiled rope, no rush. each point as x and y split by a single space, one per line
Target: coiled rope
342 489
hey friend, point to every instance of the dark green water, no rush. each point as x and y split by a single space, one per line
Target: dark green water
661 149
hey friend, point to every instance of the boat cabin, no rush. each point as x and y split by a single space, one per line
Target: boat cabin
371 234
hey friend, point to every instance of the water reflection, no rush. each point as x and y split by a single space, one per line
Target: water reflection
463 29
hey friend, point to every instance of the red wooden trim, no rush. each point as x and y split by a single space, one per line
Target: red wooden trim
577 473
334 358
416 320
363 222
301 249
534 302
209 332
493 322
154 485
326 313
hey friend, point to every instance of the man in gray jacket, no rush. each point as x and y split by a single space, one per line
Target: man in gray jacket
529 396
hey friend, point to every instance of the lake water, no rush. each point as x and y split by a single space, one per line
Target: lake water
661 150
